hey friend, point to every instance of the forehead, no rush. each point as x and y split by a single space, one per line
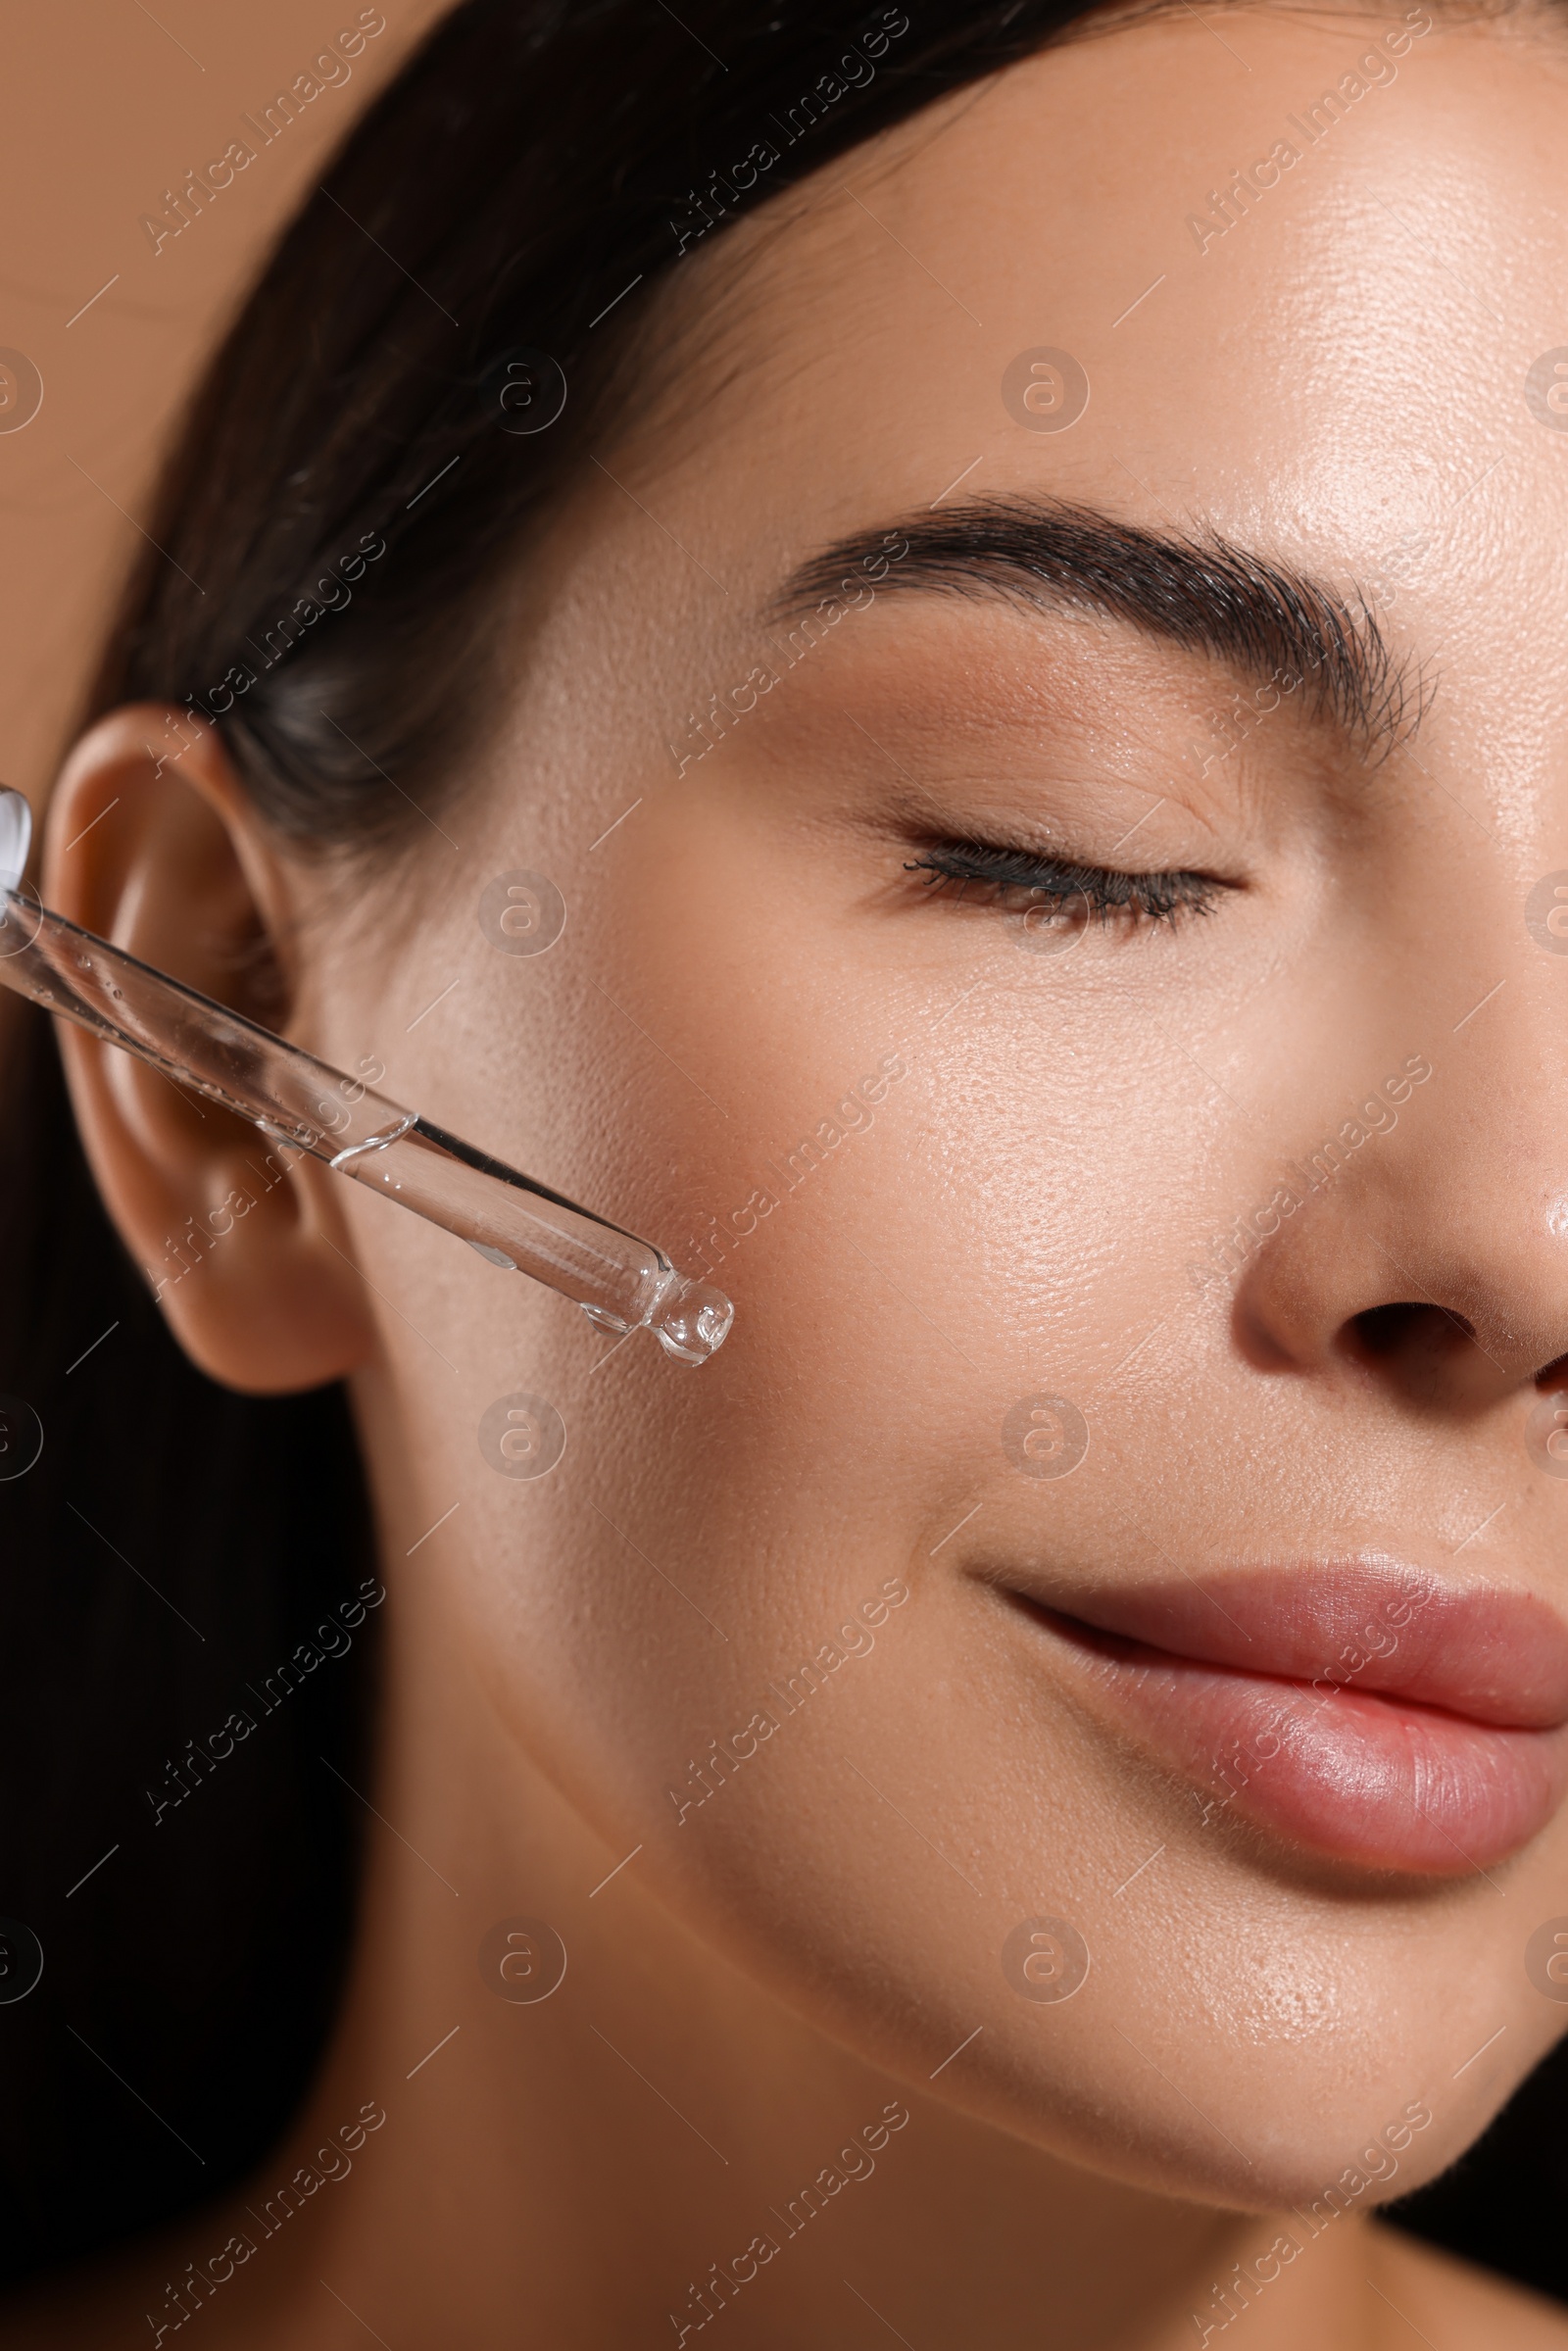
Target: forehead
1287 275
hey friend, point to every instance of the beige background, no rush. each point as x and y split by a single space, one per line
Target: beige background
106 104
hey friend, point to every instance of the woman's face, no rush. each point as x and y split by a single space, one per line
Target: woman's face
1191 1275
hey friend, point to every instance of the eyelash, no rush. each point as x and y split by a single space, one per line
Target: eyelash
1014 875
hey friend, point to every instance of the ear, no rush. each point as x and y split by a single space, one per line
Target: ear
152 843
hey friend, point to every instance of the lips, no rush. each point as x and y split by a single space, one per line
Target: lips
1364 1710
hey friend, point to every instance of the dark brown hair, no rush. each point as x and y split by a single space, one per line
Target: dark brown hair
349 498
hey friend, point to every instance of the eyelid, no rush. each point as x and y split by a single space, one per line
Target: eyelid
1149 895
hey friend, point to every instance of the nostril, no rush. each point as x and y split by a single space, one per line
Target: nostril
1382 1333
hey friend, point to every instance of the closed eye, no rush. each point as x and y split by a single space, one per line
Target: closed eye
1013 878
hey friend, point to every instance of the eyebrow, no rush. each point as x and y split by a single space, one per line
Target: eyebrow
1202 592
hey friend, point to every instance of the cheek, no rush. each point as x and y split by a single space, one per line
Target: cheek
677 1054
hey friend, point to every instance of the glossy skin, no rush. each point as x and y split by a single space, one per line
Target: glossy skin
1334 384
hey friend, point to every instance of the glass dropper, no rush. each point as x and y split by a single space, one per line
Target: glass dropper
620 1282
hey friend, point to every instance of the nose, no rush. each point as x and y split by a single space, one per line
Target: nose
1426 1243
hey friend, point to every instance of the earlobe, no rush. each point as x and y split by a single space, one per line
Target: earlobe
152 843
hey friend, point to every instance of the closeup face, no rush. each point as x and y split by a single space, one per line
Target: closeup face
1122 1529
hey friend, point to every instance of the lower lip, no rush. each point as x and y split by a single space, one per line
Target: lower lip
1366 1778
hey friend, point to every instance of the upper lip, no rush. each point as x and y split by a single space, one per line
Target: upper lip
1484 1652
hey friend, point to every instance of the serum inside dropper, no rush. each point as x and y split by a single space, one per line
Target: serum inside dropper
620 1282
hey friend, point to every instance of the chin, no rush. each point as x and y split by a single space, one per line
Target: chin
1293 2141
